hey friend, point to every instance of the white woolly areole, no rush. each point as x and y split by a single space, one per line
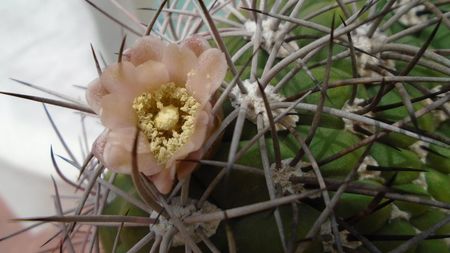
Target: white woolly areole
421 180
270 34
397 213
181 212
346 243
284 179
328 239
363 42
411 17
255 104
439 114
368 174
352 108
417 147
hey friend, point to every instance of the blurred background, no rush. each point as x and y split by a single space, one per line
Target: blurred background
47 43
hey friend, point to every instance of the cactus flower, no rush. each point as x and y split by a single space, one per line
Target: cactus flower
164 90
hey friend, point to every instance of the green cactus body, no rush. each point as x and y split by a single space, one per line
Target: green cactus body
428 219
411 208
395 161
395 227
432 246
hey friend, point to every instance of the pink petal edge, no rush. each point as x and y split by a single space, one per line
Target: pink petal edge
197 44
164 180
144 49
114 149
206 78
94 93
117 112
179 62
151 75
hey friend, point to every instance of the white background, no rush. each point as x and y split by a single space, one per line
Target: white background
46 43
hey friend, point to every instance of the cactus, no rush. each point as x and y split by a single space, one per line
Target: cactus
331 133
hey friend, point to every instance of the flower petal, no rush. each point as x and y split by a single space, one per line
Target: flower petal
117 159
99 145
197 44
94 94
147 164
119 78
186 168
151 75
144 49
117 152
117 111
125 138
163 180
206 78
179 61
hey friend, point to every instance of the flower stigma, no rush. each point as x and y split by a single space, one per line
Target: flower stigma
166 116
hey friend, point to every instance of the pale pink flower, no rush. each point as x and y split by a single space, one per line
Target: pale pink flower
165 91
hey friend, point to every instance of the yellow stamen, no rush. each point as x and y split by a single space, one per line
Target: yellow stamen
167 118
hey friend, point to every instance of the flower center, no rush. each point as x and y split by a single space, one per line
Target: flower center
167 118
